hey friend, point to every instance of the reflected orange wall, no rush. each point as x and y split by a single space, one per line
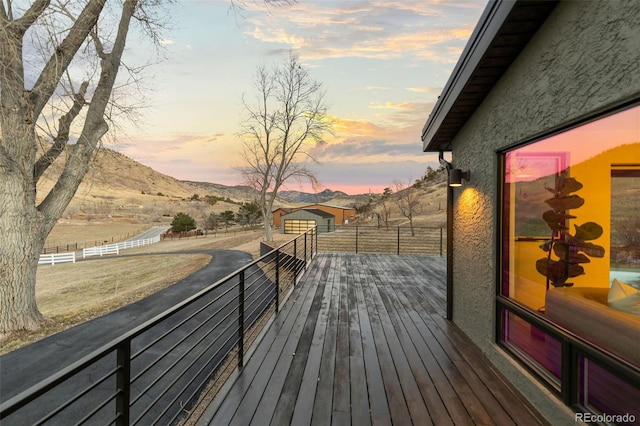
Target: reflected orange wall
595 176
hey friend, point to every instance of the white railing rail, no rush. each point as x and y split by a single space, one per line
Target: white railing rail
100 250
52 259
137 243
115 248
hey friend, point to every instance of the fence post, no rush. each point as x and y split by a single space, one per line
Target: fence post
277 281
123 379
241 322
398 240
295 260
356 239
311 240
440 241
305 250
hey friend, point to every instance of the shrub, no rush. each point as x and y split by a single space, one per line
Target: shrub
182 222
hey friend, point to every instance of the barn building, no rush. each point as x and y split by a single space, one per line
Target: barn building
301 220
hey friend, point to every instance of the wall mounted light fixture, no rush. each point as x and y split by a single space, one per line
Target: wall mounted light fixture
456 176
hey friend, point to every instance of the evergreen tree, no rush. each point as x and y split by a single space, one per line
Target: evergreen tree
182 222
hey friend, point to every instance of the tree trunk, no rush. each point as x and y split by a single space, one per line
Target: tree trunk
268 217
22 242
24 225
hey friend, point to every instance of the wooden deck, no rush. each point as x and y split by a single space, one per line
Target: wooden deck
363 340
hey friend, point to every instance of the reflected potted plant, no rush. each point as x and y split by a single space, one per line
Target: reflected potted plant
570 250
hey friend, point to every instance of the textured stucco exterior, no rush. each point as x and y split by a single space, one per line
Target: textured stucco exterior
583 60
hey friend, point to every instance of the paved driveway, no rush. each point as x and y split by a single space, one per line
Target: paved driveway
150 233
25 367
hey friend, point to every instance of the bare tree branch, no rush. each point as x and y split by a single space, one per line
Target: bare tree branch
289 112
60 141
94 126
3 13
407 200
30 16
63 54
65 33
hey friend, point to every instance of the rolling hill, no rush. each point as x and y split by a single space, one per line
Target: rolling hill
118 185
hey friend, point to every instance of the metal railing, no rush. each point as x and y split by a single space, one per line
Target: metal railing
380 239
156 372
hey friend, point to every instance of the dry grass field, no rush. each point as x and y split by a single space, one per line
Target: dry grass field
69 294
87 233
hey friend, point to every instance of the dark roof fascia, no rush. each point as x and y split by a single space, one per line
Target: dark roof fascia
486 30
489 27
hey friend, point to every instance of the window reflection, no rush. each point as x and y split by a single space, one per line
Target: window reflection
604 157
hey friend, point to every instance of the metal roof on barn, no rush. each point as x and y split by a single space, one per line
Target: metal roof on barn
318 212
329 205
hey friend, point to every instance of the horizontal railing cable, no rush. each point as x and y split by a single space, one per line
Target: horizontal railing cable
181 323
146 369
205 342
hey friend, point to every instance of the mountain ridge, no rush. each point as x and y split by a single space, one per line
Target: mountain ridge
115 180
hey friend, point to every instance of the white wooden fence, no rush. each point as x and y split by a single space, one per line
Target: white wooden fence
100 250
115 248
52 259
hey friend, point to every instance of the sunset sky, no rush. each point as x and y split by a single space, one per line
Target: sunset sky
382 63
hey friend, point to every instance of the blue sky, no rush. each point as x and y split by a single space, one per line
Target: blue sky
382 63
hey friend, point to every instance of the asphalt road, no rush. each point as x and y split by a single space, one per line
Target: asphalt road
150 233
27 366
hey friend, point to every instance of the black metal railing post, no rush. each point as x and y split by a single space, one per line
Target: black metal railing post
277 281
119 406
123 383
295 261
241 322
398 240
356 240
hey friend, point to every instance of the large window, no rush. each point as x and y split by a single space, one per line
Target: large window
571 240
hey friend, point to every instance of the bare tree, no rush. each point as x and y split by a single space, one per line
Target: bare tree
289 113
32 98
385 206
407 200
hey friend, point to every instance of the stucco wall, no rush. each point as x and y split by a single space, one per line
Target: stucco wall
584 59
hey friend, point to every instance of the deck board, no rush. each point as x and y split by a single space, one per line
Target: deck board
363 340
